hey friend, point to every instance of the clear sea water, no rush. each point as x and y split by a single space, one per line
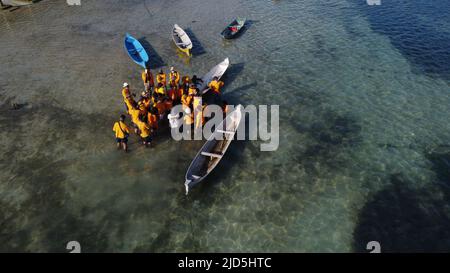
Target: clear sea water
364 147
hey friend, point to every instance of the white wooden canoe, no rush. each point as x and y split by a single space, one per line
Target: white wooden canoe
216 71
213 150
181 39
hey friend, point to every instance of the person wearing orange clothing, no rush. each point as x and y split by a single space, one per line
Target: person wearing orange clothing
185 84
160 89
192 89
147 78
215 85
122 132
161 78
152 119
171 93
186 100
142 109
146 100
161 107
144 132
168 104
174 78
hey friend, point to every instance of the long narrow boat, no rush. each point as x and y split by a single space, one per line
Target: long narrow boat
216 71
233 29
213 150
16 3
135 50
181 39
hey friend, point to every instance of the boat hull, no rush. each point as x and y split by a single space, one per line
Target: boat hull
238 24
181 40
136 51
216 71
196 172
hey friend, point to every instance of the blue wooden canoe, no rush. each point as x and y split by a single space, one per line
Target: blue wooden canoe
135 50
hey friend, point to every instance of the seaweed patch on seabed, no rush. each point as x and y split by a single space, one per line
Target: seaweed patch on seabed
331 136
405 219
34 216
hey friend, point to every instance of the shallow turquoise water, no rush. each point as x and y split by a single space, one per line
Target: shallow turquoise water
364 131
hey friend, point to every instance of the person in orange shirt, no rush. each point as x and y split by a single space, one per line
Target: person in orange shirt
142 109
161 78
215 85
152 119
147 78
186 100
168 104
192 89
160 105
122 132
171 93
146 100
174 78
185 84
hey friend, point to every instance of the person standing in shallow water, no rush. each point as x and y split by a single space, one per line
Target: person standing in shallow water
122 132
147 78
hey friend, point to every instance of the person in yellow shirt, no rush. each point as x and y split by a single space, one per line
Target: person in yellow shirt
174 78
134 113
126 91
122 132
146 100
160 89
198 112
192 90
130 103
161 78
215 85
145 133
147 78
186 100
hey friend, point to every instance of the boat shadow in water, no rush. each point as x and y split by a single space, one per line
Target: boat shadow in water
197 48
155 60
232 73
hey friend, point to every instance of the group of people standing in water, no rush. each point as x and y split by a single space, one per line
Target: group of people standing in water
157 100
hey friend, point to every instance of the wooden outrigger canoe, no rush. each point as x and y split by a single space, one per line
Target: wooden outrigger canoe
213 150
